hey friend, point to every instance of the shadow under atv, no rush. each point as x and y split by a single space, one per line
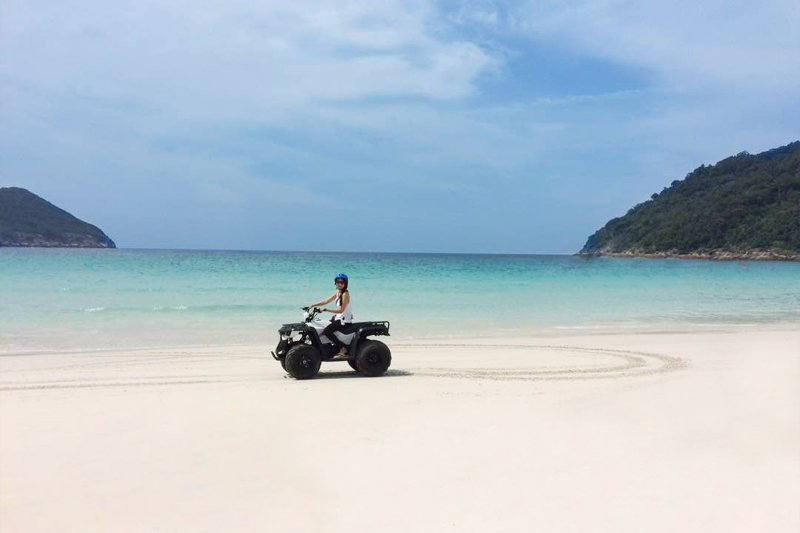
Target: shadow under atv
344 374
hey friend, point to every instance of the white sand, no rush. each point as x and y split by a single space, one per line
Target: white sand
681 432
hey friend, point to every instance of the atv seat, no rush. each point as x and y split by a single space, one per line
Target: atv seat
352 327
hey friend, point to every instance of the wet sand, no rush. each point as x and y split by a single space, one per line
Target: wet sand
659 432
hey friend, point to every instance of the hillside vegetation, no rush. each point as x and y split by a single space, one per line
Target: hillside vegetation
744 206
28 220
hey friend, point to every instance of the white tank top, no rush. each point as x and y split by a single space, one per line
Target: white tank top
346 316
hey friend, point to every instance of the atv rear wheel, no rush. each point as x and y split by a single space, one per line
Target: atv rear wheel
373 358
352 364
302 361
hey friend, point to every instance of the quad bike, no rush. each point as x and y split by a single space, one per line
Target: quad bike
302 347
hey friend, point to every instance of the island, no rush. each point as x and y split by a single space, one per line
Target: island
744 207
28 220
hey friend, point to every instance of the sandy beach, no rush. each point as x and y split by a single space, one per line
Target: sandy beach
656 432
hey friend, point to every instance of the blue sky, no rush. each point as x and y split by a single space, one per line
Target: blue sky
421 126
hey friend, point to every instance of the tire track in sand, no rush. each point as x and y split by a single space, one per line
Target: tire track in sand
623 363
628 364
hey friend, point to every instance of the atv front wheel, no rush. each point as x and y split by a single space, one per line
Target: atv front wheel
373 358
302 361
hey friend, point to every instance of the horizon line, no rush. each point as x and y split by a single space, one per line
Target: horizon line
241 250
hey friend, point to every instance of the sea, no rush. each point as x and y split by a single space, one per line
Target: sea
92 299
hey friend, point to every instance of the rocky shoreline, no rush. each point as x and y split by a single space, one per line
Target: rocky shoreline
40 241
721 255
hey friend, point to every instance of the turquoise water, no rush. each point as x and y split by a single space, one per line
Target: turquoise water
79 299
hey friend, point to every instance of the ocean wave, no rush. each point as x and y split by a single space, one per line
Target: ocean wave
201 309
227 308
621 325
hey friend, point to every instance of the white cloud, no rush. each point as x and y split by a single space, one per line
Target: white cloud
477 11
732 44
237 58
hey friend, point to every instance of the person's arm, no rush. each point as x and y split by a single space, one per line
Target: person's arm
323 302
345 301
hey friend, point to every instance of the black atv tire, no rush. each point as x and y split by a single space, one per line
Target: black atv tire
282 349
373 358
352 364
302 361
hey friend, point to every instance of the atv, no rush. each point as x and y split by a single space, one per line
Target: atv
302 347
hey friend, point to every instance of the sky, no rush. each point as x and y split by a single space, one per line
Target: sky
480 126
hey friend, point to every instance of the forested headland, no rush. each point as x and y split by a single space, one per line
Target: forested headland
28 220
744 207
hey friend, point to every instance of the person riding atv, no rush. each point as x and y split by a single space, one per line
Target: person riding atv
304 345
342 315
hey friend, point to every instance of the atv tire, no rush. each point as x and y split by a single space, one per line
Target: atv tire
281 350
302 361
373 358
352 364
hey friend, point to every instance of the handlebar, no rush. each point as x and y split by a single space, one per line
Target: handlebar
312 313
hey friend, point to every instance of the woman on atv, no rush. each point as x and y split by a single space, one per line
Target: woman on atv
342 315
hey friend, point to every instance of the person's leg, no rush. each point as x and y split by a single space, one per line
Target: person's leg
328 332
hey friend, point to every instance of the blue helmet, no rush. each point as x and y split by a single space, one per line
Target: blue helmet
341 275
